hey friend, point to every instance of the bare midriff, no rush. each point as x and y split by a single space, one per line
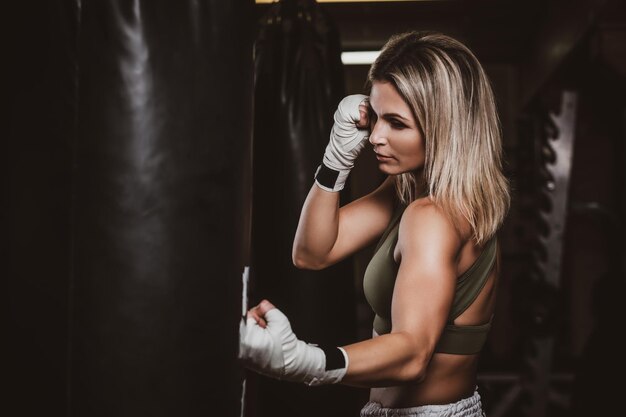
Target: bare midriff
449 378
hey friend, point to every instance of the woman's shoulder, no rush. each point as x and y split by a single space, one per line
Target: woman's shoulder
425 230
425 217
425 212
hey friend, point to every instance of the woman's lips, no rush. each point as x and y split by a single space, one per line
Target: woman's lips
382 157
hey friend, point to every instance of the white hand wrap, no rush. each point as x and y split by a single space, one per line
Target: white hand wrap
346 142
276 352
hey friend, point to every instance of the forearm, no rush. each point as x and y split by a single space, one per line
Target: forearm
317 229
387 360
319 220
271 348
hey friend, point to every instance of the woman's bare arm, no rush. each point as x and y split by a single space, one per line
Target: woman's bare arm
422 298
327 233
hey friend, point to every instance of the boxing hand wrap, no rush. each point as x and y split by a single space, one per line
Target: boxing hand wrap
346 142
275 351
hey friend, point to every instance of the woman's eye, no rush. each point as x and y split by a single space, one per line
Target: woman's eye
396 125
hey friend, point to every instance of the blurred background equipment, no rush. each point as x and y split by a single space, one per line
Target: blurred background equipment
298 84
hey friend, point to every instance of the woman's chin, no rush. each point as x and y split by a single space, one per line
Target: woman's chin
382 167
386 168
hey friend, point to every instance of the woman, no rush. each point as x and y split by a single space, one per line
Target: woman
431 119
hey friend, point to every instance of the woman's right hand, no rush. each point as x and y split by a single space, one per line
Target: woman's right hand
364 118
348 137
349 134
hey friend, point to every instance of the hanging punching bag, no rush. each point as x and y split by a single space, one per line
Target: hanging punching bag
160 207
298 84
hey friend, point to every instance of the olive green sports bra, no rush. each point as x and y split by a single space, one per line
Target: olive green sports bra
380 277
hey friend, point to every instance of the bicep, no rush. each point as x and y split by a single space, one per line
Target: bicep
426 279
362 221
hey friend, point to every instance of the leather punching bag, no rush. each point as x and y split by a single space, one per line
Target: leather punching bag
130 193
162 163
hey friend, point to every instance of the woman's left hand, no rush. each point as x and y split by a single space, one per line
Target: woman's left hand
258 312
264 339
268 346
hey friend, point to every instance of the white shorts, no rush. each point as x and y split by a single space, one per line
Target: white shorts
467 407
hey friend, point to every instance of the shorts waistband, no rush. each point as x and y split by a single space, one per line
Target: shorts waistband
466 407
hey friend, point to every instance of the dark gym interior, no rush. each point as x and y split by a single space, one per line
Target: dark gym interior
157 155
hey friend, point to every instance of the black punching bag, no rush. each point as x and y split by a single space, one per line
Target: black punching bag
129 194
127 199
298 84
161 200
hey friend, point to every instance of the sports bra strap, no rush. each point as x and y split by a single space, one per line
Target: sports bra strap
463 340
473 280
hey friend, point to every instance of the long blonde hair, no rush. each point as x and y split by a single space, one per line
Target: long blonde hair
453 104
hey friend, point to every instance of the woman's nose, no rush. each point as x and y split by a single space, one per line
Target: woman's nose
376 136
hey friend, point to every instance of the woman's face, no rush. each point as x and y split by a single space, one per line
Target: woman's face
397 141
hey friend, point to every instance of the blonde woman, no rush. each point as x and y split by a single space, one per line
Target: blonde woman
432 122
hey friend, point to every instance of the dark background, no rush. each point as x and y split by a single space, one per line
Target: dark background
128 306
